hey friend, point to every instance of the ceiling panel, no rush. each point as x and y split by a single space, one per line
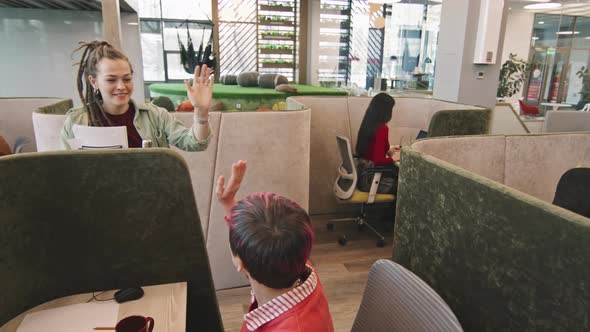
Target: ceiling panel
93 5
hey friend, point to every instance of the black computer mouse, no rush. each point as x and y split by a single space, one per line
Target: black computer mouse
128 294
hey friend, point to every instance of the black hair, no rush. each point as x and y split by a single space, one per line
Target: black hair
378 113
272 235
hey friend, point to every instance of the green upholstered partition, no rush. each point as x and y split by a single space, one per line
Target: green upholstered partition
460 122
503 260
81 221
60 107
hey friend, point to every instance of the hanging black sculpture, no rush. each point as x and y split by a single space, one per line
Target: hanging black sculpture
191 59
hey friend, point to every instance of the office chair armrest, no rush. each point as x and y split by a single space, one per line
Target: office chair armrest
380 169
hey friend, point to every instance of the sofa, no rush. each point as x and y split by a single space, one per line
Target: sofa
332 116
15 118
475 221
275 145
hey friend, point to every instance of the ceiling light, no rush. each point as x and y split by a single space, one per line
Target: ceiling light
541 22
546 5
568 32
132 23
535 38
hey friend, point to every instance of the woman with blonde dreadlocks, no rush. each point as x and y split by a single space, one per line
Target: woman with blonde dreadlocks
105 85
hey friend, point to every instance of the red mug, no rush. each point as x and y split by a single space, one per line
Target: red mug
135 324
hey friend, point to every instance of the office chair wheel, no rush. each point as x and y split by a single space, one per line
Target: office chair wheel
342 240
380 243
330 226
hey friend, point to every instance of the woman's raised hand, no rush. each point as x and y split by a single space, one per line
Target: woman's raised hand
200 93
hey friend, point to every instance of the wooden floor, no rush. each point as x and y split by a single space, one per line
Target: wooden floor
342 270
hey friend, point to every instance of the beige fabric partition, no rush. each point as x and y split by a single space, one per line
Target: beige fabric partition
535 163
329 118
483 155
202 166
15 118
566 121
532 164
276 147
506 121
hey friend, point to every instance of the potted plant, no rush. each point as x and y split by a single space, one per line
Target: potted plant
276 49
513 73
277 6
584 74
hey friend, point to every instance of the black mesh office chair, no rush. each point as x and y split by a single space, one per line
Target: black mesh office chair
345 189
573 191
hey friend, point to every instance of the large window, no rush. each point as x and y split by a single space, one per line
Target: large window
163 24
363 42
560 57
259 35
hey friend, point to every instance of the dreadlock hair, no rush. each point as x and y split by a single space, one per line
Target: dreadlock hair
92 53
379 112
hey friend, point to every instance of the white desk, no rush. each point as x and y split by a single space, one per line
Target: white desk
166 304
556 106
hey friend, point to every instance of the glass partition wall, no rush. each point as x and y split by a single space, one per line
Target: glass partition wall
559 59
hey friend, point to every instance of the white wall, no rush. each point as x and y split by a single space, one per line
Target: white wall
456 76
519 30
36 61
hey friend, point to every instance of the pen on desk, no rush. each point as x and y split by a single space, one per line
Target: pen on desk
100 328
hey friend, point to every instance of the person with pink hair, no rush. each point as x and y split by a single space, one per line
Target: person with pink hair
270 239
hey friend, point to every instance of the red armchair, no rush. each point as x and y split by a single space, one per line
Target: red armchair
528 109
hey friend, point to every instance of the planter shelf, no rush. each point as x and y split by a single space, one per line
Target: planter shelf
278 65
276 23
267 51
270 37
276 8
334 11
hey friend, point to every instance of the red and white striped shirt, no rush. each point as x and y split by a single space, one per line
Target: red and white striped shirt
304 308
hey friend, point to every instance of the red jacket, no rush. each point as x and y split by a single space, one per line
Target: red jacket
304 309
378 147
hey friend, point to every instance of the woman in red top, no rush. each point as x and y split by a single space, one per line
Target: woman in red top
373 142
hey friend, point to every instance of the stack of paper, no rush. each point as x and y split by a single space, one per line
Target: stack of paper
81 317
86 137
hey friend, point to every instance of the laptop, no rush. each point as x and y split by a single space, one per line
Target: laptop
422 134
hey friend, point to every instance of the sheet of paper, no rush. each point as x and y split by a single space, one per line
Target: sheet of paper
83 317
99 137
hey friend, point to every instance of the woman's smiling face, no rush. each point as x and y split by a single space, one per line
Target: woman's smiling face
114 79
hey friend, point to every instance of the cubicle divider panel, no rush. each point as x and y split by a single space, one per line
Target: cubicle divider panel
276 148
483 155
202 165
535 163
80 221
502 259
329 118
